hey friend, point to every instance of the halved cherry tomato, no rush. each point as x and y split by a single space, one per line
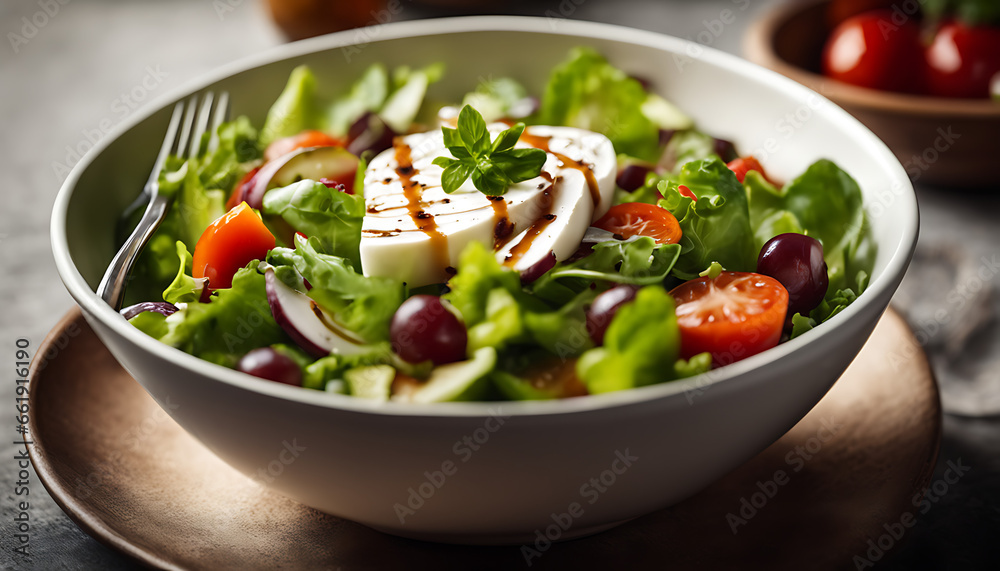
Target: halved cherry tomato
743 165
641 219
302 140
962 60
685 191
732 316
875 50
229 244
241 189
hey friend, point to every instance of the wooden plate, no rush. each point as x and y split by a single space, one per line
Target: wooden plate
134 480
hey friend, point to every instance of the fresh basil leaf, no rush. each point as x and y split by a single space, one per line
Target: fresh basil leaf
452 139
455 174
472 129
520 164
507 139
489 179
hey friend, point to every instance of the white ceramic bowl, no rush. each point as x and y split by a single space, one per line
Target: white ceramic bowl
497 472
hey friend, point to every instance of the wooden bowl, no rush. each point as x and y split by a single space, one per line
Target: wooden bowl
939 141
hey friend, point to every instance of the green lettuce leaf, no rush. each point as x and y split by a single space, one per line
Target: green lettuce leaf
302 106
363 305
641 346
716 227
235 321
367 94
295 110
832 305
588 92
638 261
184 288
825 203
686 146
493 98
327 214
478 275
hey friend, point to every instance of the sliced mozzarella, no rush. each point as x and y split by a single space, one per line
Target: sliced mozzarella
416 236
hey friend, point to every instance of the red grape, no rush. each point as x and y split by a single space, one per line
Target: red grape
633 176
603 310
796 260
423 329
269 364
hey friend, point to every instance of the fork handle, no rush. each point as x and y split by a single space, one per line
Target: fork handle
112 286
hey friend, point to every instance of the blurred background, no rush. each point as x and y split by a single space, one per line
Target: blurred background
72 70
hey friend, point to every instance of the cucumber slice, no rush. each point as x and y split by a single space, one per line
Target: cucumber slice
462 381
374 382
665 114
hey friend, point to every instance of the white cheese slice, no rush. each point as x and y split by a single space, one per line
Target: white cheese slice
417 242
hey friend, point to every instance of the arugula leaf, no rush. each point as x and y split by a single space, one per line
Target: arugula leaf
493 166
363 305
327 214
641 346
716 227
588 92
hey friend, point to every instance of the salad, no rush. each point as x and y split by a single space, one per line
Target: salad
509 246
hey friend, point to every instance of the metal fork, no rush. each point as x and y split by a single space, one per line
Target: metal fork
187 127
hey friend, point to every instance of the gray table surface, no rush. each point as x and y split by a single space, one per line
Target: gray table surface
65 83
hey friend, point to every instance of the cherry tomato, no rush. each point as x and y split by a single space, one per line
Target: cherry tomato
229 244
744 165
732 316
641 219
685 191
300 141
871 50
962 60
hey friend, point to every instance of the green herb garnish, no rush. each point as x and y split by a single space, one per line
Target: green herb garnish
493 166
